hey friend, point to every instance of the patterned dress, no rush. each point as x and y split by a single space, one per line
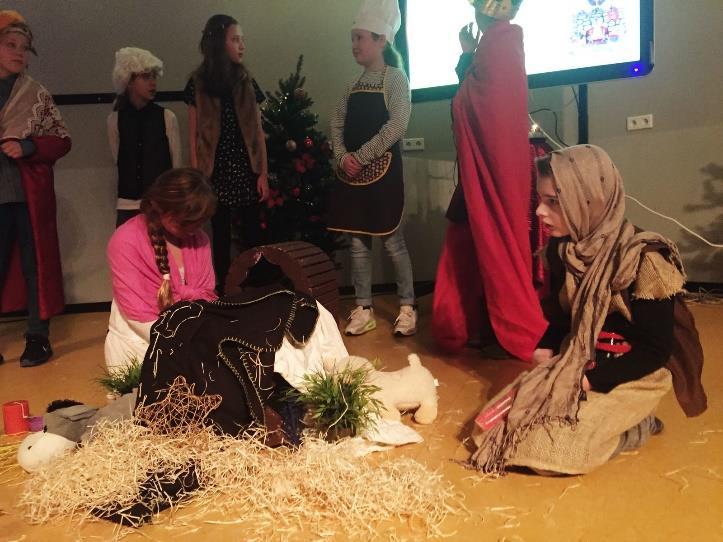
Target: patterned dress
233 178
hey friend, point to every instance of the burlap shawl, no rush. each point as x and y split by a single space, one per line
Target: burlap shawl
602 257
30 111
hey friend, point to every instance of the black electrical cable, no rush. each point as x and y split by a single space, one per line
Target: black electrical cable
554 114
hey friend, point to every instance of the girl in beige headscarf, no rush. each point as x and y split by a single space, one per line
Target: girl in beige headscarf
618 329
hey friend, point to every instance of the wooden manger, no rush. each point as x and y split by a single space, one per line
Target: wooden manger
298 264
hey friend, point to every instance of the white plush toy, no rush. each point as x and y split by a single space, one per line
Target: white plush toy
39 449
67 424
410 388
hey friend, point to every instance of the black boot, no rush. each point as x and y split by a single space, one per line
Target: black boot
37 351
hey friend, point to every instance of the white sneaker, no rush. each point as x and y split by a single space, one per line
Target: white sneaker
406 322
361 321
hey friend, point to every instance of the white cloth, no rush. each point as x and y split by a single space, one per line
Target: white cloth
386 435
174 146
380 17
392 433
325 343
126 339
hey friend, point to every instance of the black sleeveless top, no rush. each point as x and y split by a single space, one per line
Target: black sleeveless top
143 150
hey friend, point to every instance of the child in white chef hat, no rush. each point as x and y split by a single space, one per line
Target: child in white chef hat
368 198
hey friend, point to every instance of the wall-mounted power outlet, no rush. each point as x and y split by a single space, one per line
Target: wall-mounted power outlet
641 122
413 144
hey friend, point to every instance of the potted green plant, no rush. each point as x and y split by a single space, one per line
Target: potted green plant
339 403
123 379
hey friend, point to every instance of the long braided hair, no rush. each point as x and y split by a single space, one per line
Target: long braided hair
184 195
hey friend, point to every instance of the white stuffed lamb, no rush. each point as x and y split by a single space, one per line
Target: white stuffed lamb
410 388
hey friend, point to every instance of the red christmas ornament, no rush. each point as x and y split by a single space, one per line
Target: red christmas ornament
308 142
263 225
309 160
296 191
299 166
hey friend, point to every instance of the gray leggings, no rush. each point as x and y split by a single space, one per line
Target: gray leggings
360 247
636 436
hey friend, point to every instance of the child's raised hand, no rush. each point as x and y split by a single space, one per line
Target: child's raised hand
467 39
351 165
262 186
12 149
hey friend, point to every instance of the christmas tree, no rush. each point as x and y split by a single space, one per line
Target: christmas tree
300 171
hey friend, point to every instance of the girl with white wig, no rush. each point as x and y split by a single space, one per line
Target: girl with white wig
143 136
368 197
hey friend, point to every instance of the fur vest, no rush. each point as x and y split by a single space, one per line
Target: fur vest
208 125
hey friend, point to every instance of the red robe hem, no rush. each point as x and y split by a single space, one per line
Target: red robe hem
36 172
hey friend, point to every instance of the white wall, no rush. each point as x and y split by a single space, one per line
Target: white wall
76 40
666 167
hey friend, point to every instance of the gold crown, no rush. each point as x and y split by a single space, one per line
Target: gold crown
497 9
12 21
8 17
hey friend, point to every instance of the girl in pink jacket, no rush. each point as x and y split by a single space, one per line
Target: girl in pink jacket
158 258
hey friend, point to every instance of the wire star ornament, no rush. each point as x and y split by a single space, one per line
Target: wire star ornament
180 411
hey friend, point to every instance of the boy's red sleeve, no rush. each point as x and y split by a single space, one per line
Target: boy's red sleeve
48 149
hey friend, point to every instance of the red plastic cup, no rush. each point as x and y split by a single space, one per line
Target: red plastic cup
15 417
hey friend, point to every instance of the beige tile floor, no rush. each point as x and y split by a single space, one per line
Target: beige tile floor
670 490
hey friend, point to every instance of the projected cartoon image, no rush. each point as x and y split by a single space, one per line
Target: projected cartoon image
574 34
599 25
